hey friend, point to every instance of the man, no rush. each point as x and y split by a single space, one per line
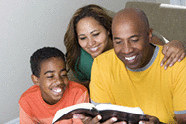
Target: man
130 74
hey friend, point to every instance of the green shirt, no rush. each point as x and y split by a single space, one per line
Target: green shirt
85 64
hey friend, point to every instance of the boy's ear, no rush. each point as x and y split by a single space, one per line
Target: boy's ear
35 80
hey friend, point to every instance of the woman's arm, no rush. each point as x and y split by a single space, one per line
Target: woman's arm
173 51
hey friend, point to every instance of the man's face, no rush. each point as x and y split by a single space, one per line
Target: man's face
131 43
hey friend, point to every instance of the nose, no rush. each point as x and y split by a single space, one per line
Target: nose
127 48
91 42
59 80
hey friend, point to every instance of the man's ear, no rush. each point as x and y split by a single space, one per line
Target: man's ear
150 35
35 80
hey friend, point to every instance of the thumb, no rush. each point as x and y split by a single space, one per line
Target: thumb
78 116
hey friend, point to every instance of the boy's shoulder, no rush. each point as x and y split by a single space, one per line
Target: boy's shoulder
30 93
74 85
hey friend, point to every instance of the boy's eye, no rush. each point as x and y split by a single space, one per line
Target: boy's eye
50 76
64 75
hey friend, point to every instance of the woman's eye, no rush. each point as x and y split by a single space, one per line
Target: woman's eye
82 38
96 34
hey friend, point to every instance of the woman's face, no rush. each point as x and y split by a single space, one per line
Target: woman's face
92 36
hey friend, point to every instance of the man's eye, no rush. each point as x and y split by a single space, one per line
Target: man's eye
117 42
134 40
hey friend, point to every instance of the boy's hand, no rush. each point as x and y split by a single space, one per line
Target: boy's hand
95 120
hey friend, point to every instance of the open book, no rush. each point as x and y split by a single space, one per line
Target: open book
128 114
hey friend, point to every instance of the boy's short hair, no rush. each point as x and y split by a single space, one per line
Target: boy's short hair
41 55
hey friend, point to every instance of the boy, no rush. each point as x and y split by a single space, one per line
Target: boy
52 90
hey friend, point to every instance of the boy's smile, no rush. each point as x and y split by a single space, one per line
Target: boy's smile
53 79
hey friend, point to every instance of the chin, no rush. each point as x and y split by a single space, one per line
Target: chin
133 67
57 99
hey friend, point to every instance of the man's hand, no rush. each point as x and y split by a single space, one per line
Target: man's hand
173 51
152 120
95 120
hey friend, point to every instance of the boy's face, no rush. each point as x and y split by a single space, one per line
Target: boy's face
53 79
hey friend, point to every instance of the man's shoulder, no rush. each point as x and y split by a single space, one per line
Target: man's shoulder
177 67
108 55
106 60
180 66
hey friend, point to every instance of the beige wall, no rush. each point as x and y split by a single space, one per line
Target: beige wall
163 1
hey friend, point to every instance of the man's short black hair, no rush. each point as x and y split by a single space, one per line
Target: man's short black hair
41 55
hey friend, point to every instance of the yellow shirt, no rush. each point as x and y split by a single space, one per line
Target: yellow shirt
156 91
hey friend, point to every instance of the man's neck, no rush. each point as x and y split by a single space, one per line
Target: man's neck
152 55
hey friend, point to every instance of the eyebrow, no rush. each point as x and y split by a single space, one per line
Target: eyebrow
90 32
53 71
115 38
134 36
93 31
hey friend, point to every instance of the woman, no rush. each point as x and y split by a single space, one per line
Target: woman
89 34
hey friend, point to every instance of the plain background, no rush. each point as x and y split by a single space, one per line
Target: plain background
25 26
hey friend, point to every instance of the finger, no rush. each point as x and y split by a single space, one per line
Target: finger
173 62
181 57
168 63
169 52
111 120
84 119
122 122
176 58
163 60
96 120
130 122
153 120
165 49
79 116
142 122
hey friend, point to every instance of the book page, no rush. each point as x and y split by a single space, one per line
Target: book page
66 110
133 110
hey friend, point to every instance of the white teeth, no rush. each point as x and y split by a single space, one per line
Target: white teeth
57 90
94 49
130 58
